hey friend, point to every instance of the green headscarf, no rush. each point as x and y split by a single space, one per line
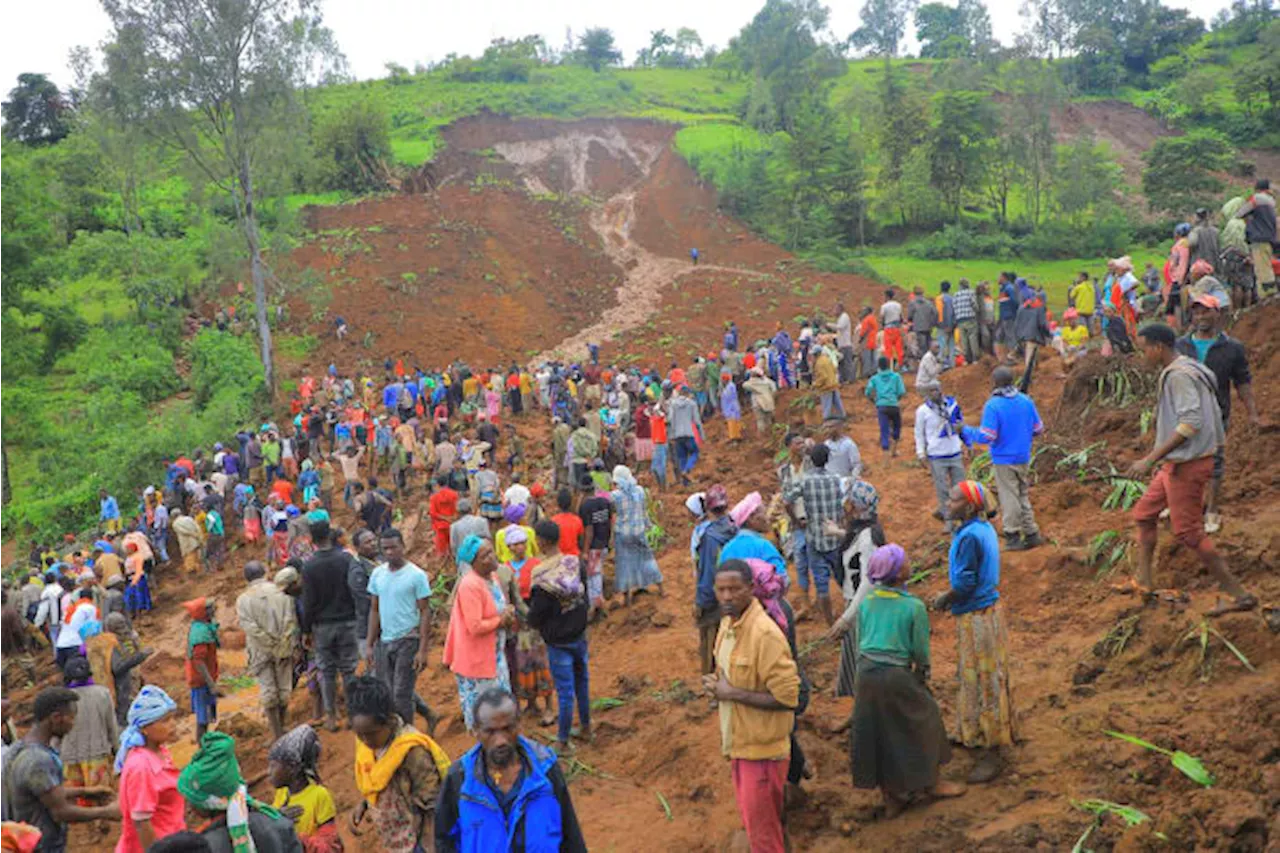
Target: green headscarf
212 783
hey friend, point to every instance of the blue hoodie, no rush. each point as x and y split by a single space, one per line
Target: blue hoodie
974 562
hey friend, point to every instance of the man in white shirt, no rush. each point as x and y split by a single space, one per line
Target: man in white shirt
930 367
844 461
938 444
844 342
50 607
891 325
516 494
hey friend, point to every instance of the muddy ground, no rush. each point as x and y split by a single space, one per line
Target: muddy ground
1085 659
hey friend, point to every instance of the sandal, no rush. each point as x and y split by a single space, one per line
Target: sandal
1243 604
1130 586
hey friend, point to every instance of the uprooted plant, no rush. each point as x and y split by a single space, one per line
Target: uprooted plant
1113 642
1106 550
1189 765
1202 633
1100 809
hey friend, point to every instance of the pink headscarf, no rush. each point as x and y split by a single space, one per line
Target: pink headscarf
745 507
768 588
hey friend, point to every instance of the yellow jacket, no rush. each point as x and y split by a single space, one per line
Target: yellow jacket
824 373
753 655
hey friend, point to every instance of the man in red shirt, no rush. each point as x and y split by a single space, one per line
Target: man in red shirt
569 523
443 507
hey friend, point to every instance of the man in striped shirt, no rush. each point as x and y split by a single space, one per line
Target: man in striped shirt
965 303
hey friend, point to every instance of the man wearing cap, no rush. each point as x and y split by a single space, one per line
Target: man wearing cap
1226 358
717 533
1259 215
270 628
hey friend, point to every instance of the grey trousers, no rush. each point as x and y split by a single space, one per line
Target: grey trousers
848 365
969 344
395 667
1013 484
947 472
336 652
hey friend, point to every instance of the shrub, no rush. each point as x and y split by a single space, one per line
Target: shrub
130 359
351 144
221 360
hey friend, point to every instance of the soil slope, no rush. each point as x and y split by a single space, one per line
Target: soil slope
1084 659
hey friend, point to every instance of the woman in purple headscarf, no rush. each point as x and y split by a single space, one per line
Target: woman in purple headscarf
898 740
513 515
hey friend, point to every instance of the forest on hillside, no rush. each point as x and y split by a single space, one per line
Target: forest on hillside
174 168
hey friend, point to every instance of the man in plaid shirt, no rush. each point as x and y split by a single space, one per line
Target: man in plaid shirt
965 301
820 491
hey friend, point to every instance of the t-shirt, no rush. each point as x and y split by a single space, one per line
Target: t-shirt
30 771
1075 336
108 565
570 531
208 653
1202 347
891 314
658 429
595 513
316 803
398 594
149 791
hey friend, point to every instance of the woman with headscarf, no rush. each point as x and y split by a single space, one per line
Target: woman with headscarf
487 488
478 624
750 542
86 750
514 516
770 589
150 805
533 670
634 564
235 822
898 740
126 654
862 536
292 770
298 544
309 481
731 408
985 704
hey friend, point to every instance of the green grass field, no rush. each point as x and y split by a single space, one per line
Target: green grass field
1055 276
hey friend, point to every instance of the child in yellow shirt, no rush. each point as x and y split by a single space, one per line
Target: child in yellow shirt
291 767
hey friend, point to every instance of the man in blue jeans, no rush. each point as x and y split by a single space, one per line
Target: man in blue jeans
686 420
558 609
823 507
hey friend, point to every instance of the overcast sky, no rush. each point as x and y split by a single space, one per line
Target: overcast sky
38 36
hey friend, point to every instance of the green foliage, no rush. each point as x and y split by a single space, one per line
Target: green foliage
884 25
122 360
1179 175
352 146
503 62
221 362
36 112
596 49
1189 765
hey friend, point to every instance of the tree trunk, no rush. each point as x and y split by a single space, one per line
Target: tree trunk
4 474
249 222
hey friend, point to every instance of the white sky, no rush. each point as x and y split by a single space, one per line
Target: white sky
38 36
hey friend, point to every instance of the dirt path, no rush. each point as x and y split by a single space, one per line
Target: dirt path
646 274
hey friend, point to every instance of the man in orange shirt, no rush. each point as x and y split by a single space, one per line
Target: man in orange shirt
443 508
868 329
569 523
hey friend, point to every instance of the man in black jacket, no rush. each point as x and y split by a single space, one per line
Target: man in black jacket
1226 357
1259 215
329 616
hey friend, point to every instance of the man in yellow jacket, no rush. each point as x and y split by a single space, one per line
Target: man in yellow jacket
757 687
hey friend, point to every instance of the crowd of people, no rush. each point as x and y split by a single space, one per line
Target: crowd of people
524 557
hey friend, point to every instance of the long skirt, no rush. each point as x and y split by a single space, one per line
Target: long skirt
634 565
469 689
137 596
985 702
897 737
644 449
847 680
533 670
215 549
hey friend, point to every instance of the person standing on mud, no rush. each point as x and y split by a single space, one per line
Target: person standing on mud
329 616
1009 424
686 421
939 443
1189 432
1226 357
757 688
269 620
694 254
823 502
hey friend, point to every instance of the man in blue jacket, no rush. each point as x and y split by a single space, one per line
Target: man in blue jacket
506 792
719 530
1009 423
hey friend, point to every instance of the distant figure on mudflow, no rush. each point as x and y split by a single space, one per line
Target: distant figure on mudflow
340 326
693 256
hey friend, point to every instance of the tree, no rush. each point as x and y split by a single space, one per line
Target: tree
1257 83
784 47
947 32
1034 91
596 49
36 112
685 52
353 145
1087 177
898 124
1179 175
652 55
219 80
884 25
959 132
1050 29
